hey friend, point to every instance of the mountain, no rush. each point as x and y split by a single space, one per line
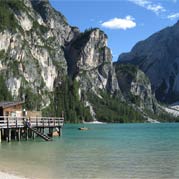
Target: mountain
54 67
136 87
158 58
28 46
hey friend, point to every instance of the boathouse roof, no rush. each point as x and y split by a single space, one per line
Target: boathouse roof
6 104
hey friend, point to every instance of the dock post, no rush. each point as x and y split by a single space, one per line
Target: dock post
0 135
27 134
19 134
15 134
30 133
6 134
50 131
9 135
60 131
33 135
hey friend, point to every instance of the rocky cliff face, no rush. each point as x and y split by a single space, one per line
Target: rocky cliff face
32 54
158 57
90 62
135 87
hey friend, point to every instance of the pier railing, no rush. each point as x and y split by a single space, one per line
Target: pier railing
20 122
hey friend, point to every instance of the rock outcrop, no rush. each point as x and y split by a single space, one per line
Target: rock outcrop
90 62
135 87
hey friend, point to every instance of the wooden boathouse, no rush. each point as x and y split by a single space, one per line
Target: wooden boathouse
15 124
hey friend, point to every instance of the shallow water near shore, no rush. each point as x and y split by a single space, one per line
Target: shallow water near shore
103 151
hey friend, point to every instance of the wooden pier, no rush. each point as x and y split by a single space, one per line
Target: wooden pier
22 128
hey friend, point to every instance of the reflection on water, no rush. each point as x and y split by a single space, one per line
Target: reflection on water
104 151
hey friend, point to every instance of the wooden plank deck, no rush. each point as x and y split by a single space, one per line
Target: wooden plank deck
7 122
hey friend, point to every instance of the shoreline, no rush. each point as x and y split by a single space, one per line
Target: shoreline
94 122
5 175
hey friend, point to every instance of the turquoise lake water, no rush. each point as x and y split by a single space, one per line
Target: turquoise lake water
105 151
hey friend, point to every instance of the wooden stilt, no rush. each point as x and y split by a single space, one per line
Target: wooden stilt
60 131
15 134
33 135
0 135
51 131
27 135
9 135
19 134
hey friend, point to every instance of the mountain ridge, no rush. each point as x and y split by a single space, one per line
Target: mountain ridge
158 57
54 67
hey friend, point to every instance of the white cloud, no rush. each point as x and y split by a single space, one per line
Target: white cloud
173 16
149 5
118 23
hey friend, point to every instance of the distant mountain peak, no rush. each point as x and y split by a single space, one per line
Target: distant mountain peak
158 57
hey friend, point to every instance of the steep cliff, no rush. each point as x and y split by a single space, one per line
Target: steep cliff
158 57
32 37
135 87
90 62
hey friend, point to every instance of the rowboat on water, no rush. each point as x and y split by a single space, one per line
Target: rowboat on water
83 128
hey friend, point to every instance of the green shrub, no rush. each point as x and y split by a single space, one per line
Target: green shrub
66 99
7 18
111 109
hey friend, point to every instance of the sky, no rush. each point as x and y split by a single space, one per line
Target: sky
124 21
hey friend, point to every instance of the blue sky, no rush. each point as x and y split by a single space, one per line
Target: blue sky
124 21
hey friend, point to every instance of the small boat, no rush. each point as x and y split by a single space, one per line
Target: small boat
83 128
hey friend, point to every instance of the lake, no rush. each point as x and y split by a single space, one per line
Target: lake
103 151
